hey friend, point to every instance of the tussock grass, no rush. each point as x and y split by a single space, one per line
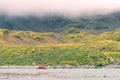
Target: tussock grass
83 48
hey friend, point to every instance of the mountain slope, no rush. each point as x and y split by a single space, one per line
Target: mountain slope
99 23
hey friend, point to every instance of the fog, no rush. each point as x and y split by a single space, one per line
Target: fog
63 7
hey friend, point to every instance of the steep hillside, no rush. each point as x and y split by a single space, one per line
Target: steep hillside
99 23
34 23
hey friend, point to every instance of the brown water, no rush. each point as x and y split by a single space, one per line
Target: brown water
60 74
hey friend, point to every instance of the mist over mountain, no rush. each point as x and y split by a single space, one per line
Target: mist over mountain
47 22
59 33
58 15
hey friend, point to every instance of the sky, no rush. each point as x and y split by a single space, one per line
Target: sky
65 7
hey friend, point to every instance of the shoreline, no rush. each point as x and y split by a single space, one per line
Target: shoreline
60 67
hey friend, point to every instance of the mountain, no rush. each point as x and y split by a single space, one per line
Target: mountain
48 23
33 23
57 40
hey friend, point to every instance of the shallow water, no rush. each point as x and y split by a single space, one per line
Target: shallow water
59 74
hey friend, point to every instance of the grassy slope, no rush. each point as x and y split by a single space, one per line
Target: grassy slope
30 48
13 38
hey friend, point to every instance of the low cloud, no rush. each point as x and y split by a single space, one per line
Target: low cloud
64 7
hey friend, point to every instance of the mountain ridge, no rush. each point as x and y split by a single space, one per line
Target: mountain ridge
54 23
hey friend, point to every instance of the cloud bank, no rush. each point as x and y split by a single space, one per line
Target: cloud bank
66 7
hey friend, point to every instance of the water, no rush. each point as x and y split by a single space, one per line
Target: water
60 74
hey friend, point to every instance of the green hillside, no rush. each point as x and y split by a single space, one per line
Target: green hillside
70 47
12 38
55 23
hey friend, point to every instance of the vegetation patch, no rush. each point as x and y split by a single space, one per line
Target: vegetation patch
54 49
